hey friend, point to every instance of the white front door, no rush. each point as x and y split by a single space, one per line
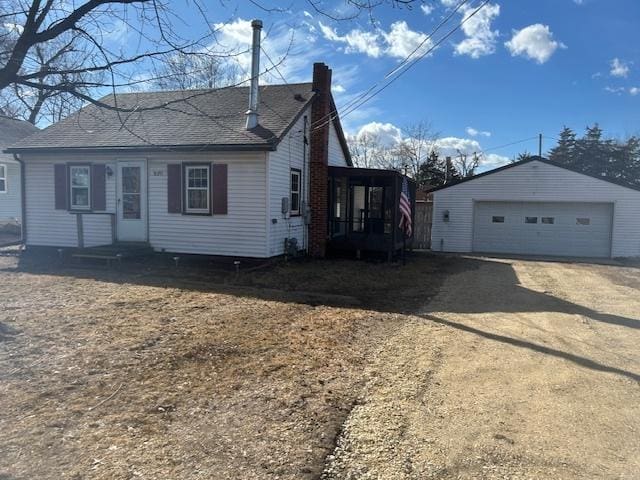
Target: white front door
132 201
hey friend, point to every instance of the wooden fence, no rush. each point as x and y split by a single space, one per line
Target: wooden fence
423 218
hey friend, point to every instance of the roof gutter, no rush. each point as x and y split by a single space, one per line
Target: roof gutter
23 199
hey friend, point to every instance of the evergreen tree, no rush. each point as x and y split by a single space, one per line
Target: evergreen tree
598 156
565 151
433 171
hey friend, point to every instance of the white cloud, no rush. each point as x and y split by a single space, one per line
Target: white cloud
619 68
387 134
474 133
450 146
480 38
14 28
399 42
426 8
357 41
337 88
292 57
449 3
453 146
634 91
617 90
402 41
534 42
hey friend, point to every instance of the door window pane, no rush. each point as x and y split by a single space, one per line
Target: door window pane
131 179
530 219
497 219
548 220
583 221
131 206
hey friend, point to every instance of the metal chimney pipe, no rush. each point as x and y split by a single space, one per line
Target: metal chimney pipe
252 113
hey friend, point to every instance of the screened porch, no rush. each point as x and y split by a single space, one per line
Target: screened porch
364 210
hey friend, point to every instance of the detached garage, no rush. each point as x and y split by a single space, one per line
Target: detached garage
537 207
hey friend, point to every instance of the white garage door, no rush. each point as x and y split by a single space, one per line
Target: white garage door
570 229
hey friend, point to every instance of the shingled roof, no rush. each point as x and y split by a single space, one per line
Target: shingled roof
211 119
12 130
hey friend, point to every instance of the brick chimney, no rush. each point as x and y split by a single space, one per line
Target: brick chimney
319 160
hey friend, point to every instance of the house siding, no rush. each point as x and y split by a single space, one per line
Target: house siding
241 232
534 182
10 202
47 226
289 154
336 154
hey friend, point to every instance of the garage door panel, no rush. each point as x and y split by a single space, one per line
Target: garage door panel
571 229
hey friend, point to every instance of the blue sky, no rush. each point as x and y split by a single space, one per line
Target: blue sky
516 69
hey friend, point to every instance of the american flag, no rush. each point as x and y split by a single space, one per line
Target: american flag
405 208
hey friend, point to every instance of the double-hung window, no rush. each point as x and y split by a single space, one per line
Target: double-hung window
80 185
3 178
296 188
197 188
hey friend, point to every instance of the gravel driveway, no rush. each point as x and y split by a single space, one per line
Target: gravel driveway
516 370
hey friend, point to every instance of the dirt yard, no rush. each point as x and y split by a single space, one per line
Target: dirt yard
336 370
516 370
149 372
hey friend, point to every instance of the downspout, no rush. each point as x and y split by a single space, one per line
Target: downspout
23 199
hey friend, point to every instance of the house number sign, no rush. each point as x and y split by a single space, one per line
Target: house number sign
158 172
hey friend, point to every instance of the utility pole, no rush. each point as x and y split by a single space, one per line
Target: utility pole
540 145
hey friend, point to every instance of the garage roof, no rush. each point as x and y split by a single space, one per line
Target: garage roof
541 160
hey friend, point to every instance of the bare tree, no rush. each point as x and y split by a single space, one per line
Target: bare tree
417 144
185 72
29 28
466 165
366 149
34 103
350 10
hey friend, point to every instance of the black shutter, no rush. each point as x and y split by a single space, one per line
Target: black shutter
61 186
174 188
98 187
219 189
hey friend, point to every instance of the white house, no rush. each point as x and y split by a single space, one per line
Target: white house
11 131
182 171
537 207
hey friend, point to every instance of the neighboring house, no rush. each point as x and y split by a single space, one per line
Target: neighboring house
537 207
189 176
11 131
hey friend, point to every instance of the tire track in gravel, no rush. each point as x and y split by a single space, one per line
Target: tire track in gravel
516 370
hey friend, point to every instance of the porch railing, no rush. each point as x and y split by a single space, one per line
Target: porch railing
80 216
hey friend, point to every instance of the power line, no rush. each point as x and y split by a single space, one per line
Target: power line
367 96
406 59
416 60
283 79
509 144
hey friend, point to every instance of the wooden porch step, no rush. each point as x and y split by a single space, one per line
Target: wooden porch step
117 251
